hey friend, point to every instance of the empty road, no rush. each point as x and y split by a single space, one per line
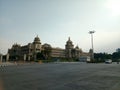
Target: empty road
60 76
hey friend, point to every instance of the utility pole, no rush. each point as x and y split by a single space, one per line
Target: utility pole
91 32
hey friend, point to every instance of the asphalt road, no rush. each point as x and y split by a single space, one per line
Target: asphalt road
60 76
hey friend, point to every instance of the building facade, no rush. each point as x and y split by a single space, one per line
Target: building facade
26 52
72 52
29 52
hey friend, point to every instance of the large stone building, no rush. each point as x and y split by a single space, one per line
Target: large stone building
29 52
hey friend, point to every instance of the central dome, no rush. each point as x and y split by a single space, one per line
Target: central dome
69 42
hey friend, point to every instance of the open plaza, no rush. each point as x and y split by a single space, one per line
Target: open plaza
60 76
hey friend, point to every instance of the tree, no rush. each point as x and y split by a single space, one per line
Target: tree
40 56
100 57
116 56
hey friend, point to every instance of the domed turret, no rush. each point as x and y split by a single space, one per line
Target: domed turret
77 47
69 41
68 48
69 44
37 40
15 46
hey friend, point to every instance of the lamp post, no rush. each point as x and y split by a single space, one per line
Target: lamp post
91 32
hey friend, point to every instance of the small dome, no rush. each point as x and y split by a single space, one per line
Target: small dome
77 47
37 40
16 45
46 45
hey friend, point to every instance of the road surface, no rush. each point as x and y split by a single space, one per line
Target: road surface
60 76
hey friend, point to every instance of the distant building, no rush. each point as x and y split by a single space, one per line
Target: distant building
28 52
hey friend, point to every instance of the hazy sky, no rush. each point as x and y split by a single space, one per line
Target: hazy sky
56 20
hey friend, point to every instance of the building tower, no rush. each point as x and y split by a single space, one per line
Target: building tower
68 48
36 46
14 53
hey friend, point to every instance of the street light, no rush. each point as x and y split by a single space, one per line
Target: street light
91 32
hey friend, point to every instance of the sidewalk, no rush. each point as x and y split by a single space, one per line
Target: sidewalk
2 64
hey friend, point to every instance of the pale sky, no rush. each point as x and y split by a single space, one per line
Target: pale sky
56 20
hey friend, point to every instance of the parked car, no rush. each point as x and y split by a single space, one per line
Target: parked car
109 61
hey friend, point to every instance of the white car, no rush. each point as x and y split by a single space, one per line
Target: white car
108 61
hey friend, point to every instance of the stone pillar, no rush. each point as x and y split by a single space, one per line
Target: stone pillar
1 57
28 57
7 57
70 53
25 57
34 56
